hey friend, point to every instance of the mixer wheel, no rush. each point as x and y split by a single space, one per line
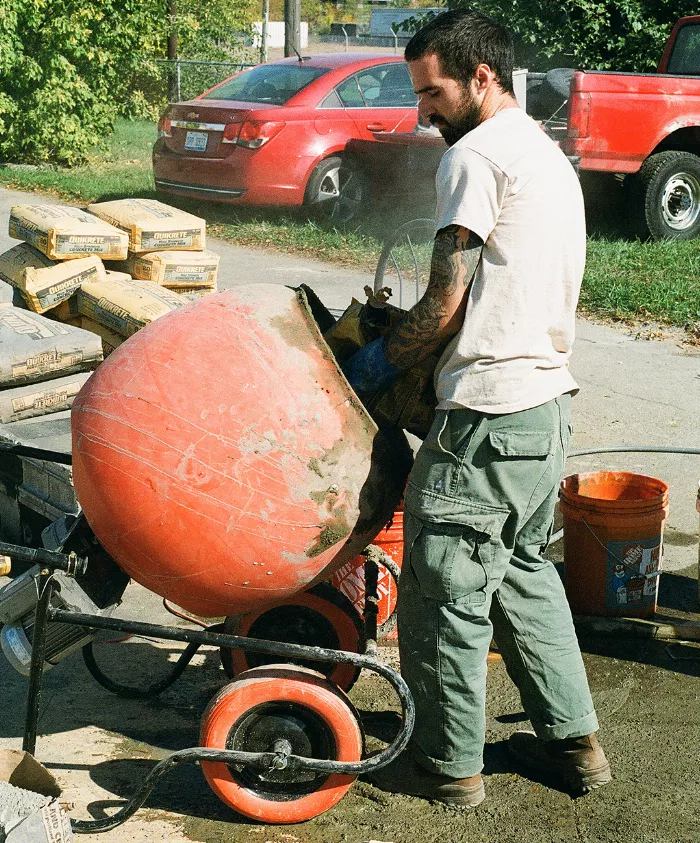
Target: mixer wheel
281 708
320 617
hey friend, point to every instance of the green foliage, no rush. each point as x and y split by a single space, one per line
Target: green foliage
625 35
68 69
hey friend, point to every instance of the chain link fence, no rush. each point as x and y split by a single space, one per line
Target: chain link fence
161 81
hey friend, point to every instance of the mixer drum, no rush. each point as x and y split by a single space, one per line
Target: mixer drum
223 461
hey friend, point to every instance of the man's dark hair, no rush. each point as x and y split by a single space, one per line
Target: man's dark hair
463 39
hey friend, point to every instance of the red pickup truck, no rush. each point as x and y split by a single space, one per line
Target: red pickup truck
644 127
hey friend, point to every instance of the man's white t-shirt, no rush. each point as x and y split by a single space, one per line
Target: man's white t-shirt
509 183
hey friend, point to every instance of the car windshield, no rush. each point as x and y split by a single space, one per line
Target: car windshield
275 84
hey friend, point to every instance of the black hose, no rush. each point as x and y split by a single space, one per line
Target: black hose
635 449
132 693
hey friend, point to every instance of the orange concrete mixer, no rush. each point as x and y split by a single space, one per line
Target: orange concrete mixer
222 459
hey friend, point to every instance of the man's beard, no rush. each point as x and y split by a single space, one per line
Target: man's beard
468 118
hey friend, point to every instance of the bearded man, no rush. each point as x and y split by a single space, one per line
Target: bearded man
506 271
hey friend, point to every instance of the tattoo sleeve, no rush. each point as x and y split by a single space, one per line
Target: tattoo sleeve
439 314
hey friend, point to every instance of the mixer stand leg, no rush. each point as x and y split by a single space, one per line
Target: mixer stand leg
36 669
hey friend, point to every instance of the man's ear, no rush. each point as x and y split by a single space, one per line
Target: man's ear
484 77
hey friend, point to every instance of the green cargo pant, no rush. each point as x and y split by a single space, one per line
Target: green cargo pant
478 514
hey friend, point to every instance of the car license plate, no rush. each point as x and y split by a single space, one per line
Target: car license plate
196 141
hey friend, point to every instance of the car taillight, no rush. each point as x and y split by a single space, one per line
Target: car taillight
231 131
165 127
254 133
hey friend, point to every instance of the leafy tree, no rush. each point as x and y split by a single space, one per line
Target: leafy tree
67 69
627 35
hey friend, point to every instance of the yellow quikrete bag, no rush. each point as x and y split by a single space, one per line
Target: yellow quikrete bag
174 268
152 225
61 232
126 306
46 283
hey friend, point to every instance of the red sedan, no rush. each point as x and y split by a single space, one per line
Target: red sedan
275 134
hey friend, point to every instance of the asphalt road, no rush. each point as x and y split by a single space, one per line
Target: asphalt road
647 694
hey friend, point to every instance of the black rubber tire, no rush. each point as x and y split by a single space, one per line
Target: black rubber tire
552 94
665 196
337 190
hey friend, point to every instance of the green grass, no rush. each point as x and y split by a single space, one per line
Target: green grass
120 166
625 279
630 280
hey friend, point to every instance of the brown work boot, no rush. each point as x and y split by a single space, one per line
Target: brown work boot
404 775
580 762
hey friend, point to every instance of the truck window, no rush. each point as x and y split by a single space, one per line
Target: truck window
685 58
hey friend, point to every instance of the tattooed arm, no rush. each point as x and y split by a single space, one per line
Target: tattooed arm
439 314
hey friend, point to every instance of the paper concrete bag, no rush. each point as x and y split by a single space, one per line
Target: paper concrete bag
46 283
153 226
7 294
174 268
116 275
21 769
61 232
110 340
34 348
26 402
126 306
48 824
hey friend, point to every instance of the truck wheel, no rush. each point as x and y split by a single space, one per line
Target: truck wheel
666 196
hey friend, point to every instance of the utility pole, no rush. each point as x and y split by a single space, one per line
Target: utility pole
292 26
173 69
265 21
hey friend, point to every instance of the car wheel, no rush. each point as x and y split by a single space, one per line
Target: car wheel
337 190
666 196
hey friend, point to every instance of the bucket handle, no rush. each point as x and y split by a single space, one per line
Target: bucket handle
648 576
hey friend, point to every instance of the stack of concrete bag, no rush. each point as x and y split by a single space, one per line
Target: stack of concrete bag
69 312
166 245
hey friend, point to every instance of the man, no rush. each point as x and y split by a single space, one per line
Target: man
506 270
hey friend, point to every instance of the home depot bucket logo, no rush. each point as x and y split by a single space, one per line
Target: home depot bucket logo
633 572
350 579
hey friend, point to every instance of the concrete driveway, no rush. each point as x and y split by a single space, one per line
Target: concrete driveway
633 392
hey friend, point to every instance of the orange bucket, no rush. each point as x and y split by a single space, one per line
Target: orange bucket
350 578
613 530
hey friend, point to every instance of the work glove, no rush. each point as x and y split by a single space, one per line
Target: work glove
368 370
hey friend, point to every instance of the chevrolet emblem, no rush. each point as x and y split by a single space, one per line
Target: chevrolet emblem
193 115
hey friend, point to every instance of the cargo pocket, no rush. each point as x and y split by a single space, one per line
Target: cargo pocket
536 455
454 562
522 443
